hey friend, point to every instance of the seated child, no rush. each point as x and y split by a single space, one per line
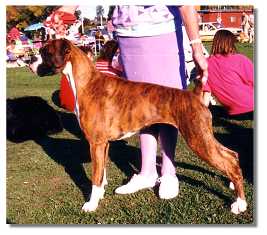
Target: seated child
230 78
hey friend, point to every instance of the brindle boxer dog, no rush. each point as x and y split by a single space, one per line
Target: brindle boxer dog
110 108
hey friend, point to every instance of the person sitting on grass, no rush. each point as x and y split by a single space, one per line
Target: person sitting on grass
230 78
105 62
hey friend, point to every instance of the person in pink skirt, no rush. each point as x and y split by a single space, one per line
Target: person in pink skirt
231 77
151 46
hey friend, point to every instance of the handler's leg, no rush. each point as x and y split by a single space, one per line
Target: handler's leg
148 175
169 184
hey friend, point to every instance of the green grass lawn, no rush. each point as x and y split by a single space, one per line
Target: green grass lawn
49 179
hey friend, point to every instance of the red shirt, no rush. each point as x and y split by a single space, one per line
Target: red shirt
231 81
66 96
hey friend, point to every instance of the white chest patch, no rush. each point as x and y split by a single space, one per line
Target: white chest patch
68 72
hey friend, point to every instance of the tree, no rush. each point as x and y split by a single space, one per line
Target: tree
99 13
110 12
78 14
22 16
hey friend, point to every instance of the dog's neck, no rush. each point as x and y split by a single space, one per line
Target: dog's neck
83 69
80 72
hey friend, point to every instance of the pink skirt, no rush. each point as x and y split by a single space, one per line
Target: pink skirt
156 59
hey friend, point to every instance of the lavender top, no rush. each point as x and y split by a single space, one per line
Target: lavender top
140 21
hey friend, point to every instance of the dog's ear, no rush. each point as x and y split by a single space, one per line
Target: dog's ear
61 52
65 47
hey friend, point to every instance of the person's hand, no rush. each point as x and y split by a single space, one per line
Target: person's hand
201 65
190 20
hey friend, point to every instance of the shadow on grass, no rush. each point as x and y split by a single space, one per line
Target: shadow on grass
239 138
188 166
198 183
241 141
70 123
71 154
127 158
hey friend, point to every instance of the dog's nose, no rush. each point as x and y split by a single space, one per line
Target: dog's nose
27 61
32 59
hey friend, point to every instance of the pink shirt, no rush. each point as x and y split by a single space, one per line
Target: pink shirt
231 81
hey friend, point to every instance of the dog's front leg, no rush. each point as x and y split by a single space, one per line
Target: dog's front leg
99 155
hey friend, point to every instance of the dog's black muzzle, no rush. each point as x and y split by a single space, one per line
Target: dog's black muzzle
39 67
32 59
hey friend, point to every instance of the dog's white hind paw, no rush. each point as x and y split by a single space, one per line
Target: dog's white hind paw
238 206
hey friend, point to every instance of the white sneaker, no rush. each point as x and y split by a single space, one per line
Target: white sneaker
137 183
169 186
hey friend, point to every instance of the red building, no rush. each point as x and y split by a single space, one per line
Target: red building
230 17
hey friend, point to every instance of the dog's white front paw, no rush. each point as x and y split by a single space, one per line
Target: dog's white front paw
238 206
90 206
96 195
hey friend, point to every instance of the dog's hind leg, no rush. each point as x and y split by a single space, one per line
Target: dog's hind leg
227 162
236 178
199 137
99 155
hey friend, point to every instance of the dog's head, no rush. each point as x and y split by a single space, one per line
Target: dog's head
52 59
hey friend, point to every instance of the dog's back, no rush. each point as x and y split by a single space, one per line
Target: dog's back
30 118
